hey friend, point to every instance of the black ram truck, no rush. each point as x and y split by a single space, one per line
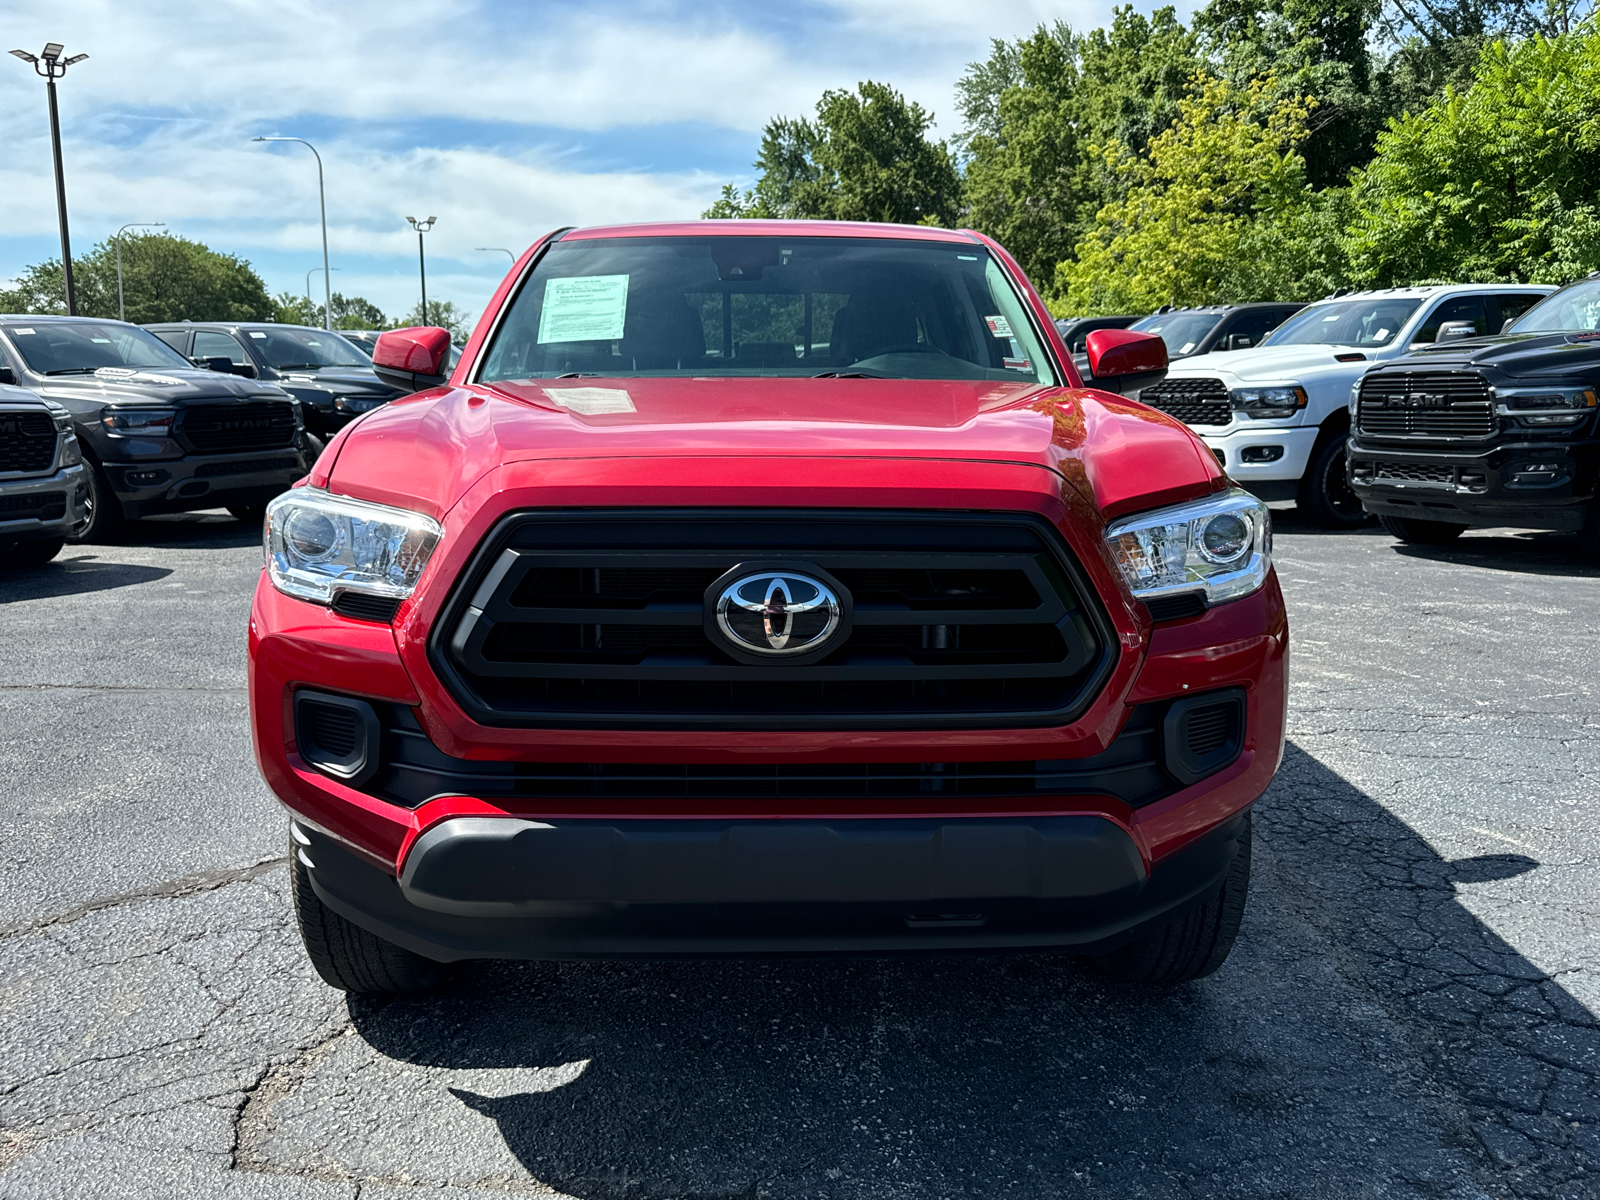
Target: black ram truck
1488 431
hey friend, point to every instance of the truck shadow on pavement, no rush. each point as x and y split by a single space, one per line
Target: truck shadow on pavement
1369 1037
1524 553
72 573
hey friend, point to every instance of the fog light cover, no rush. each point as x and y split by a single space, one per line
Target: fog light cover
319 545
1220 546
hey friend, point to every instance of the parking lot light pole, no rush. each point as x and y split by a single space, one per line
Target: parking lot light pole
309 274
498 250
322 203
122 314
422 227
50 66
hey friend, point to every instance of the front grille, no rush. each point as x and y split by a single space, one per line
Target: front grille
1425 404
50 506
597 619
1194 401
1417 472
227 428
414 771
249 467
27 441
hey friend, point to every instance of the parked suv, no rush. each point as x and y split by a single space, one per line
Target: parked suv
1277 416
158 434
1211 330
332 379
1488 431
42 490
766 587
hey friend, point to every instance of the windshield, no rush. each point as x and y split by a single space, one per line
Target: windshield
81 348
765 306
1344 323
1183 332
1575 308
287 349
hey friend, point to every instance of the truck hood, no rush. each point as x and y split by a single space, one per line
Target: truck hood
126 385
423 452
1275 364
344 381
1520 355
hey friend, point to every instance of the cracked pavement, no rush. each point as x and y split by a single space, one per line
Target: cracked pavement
1411 1010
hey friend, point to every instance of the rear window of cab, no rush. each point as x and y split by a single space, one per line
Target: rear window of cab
768 306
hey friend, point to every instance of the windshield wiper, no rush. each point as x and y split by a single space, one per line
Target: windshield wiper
851 375
579 375
297 366
73 371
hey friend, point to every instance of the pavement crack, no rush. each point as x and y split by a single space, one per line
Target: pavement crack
172 889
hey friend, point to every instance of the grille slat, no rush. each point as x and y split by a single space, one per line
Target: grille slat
597 619
27 441
1425 404
1417 472
331 727
1192 400
229 428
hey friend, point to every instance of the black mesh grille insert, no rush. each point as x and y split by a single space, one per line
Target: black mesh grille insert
596 618
1425 404
212 470
51 506
27 441
225 428
330 728
414 770
1417 472
1209 728
1194 401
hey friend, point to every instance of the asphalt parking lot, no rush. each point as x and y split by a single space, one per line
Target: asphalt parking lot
1412 1010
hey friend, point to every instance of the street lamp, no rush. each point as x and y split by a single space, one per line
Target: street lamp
422 227
309 274
322 201
499 250
122 314
50 66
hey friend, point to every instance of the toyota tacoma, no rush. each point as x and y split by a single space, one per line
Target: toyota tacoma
766 587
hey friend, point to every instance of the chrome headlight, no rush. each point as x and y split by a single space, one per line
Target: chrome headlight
1259 402
319 545
1221 546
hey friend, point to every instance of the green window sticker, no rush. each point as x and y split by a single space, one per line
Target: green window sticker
584 308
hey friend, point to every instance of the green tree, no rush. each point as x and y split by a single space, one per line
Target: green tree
357 312
1497 181
866 157
442 313
165 278
1192 206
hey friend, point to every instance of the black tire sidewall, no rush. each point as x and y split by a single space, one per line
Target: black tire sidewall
1316 497
105 518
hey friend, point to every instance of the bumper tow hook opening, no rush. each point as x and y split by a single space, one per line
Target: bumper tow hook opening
945 920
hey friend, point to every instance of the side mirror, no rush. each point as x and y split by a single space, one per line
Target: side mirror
227 366
1237 341
1121 360
413 359
8 376
1505 326
1451 330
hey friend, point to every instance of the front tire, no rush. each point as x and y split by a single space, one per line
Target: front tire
347 956
1422 533
103 520
1195 944
1326 497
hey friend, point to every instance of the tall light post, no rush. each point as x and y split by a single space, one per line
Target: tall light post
422 227
50 66
122 314
322 202
309 274
498 250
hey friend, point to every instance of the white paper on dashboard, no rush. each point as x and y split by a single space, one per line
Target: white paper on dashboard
592 402
584 308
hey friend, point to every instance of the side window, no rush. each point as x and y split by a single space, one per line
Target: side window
219 345
1460 308
176 338
1513 306
1253 324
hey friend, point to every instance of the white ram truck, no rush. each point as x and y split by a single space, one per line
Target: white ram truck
1277 415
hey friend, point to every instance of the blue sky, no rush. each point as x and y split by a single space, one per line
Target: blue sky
502 119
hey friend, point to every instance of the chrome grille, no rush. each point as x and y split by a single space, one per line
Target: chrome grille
1425 404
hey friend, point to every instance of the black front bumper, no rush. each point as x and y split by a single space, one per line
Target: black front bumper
205 481
513 888
1484 488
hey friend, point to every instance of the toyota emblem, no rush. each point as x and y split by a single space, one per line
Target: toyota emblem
778 614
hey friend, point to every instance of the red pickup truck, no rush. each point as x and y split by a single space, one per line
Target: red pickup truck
765 587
